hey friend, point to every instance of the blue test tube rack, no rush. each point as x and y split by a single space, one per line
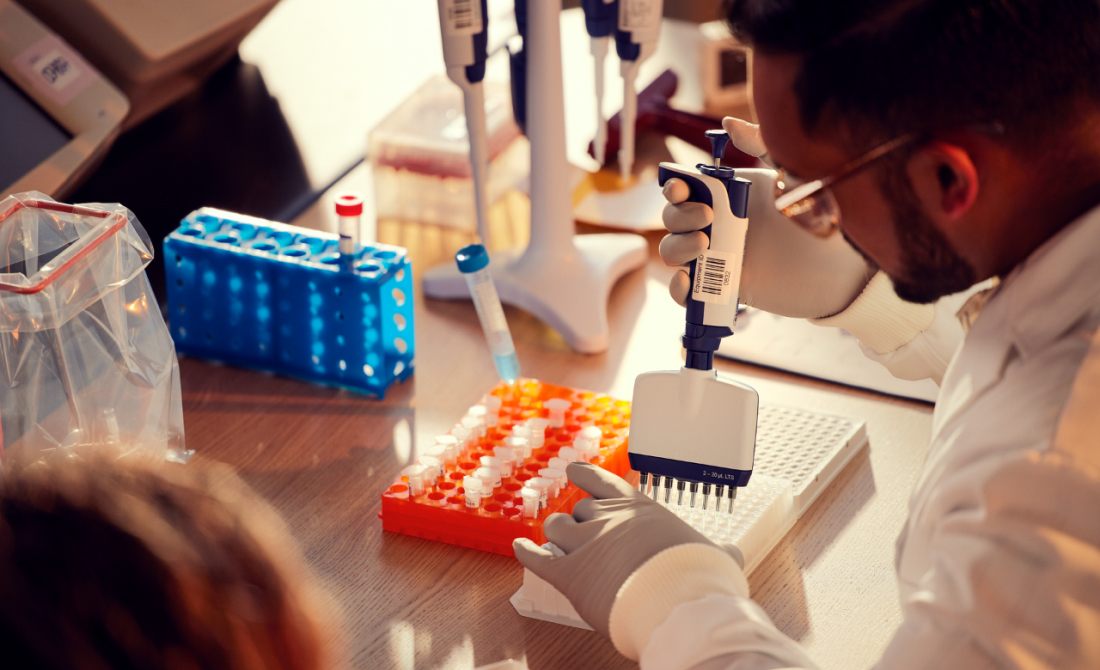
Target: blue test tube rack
269 296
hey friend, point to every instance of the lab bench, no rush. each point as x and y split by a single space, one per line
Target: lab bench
323 456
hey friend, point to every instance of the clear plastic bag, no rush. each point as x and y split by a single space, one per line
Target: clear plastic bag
85 356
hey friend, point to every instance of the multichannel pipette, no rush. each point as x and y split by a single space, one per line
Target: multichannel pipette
464 25
635 40
599 21
690 427
473 262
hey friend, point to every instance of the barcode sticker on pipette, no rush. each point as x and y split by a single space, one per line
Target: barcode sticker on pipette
712 278
463 17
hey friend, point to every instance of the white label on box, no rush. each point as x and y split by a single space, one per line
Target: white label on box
57 71
54 69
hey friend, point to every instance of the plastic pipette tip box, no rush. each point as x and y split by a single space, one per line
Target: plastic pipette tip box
268 296
440 513
798 454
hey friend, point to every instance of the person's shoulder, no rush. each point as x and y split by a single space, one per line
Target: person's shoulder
1078 431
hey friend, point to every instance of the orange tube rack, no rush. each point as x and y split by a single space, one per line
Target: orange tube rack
439 511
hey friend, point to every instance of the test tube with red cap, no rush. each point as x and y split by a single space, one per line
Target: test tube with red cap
349 210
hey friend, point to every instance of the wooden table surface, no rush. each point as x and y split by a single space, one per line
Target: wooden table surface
323 457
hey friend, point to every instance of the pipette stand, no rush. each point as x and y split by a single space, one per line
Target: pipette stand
562 279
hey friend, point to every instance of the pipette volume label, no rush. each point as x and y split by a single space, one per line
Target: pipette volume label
462 17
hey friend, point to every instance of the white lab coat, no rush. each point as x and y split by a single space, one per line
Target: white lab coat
999 562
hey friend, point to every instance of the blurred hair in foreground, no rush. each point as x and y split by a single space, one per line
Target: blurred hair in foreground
110 562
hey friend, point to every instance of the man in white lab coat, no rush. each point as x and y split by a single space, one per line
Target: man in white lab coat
951 142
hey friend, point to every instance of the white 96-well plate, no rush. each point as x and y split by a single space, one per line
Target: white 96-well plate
798 453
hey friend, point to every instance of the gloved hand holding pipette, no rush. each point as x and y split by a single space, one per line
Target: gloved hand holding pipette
787 270
802 267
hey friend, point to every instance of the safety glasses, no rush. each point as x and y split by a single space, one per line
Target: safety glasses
811 204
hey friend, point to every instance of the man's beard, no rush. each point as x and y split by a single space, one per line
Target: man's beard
930 268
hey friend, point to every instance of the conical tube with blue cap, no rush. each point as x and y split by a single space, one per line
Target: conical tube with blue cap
473 263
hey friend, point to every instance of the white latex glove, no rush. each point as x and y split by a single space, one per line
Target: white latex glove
787 270
606 539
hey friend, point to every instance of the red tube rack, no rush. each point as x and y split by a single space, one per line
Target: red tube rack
439 513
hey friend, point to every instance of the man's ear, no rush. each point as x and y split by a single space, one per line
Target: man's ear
944 180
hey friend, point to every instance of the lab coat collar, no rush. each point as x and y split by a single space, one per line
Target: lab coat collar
1052 290
1038 301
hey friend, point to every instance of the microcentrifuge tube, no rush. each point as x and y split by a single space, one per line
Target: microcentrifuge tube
492 404
530 499
495 463
587 449
435 450
472 487
474 425
542 485
415 476
462 434
556 478
473 263
569 454
449 443
556 408
433 468
519 446
536 429
557 463
479 412
490 476
507 458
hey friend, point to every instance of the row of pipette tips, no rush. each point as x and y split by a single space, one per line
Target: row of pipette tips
525 437
653 489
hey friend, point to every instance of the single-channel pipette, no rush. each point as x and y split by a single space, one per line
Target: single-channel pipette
473 262
635 40
599 21
464 25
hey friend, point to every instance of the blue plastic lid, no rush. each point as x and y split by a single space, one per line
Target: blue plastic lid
472 258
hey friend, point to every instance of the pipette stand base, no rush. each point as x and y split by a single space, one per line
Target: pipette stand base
798 455
566 291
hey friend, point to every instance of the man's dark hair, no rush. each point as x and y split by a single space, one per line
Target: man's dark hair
882 67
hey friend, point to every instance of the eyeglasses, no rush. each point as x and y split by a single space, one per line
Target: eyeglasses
812 204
